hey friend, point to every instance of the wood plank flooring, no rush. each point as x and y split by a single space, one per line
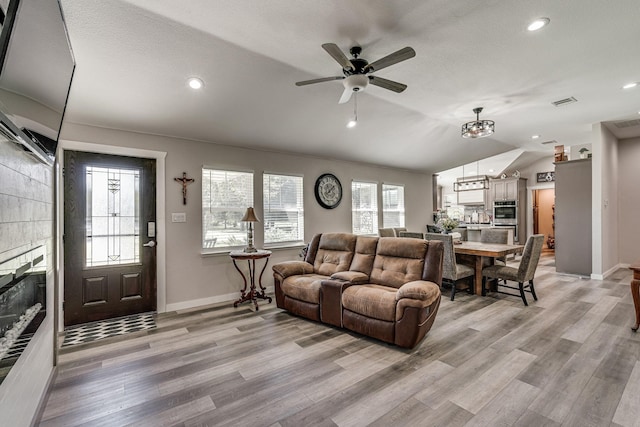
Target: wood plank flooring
569 359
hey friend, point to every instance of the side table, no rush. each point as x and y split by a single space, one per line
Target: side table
251 258
635 292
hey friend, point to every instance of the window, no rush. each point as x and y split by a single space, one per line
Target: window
226 195
113 216
392 205
364 207
283 209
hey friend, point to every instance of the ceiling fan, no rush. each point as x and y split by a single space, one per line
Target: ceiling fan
357 70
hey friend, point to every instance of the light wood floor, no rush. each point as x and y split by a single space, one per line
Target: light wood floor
568 360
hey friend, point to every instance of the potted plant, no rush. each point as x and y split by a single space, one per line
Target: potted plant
447 224
584 153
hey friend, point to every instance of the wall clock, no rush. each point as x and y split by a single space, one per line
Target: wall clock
328 191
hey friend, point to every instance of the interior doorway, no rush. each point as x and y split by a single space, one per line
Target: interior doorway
543 216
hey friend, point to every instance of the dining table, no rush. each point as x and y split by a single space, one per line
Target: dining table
479 252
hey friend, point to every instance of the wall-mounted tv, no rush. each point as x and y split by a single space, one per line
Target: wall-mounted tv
36 69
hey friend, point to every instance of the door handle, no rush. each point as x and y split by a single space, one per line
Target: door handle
150 244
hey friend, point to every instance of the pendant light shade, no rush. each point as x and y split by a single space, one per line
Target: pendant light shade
478 128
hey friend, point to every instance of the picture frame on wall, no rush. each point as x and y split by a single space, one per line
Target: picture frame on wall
546 176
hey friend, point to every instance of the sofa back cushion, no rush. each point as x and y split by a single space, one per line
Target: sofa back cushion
398 261
335 252
364 255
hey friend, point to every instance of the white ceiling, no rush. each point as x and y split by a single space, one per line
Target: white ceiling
134 57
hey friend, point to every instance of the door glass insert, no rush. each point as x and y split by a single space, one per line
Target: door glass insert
113 216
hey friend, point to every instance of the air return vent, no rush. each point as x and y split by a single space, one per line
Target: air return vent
565 101
627 123
553 141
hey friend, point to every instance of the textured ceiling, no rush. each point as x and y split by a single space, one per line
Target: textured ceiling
134 56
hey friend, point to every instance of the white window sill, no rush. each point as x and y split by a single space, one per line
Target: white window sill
285 246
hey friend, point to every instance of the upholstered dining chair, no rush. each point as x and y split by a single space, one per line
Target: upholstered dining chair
397 230
432 228
495 235
521 274
452 272
413 234
386 232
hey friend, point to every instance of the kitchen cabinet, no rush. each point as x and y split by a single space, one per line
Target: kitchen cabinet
504 189
511 188
471 197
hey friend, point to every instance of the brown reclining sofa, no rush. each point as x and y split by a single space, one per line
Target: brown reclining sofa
383 287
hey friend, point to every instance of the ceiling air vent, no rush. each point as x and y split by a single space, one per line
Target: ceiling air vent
565 101
627 123
553 141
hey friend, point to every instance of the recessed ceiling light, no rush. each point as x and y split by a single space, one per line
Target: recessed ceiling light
538 24
630 85
491 170
352 124
535 136
195 83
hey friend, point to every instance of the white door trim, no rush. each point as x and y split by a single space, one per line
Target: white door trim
161 254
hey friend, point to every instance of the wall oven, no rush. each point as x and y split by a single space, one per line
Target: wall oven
505 212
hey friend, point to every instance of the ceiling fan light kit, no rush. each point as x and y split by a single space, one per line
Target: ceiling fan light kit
478 128
357 70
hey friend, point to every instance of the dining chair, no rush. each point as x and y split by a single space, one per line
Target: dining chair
521 274
412 234
495 235
397 230
432 228
386 232
452 272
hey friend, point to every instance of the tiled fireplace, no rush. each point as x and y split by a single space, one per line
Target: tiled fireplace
22 304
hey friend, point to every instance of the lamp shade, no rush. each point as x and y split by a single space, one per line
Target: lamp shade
250 216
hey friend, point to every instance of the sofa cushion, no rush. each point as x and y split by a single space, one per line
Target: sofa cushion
398 261
335 252
364 254
375 301
305 287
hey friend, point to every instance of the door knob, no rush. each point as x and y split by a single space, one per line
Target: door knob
150 244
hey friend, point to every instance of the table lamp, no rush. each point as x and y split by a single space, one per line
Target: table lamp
250 217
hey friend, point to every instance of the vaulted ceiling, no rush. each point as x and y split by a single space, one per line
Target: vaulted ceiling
134 58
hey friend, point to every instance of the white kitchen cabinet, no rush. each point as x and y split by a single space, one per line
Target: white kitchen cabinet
504 189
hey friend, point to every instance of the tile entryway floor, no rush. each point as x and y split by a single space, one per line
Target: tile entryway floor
87 332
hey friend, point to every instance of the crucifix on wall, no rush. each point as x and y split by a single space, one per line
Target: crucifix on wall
184 181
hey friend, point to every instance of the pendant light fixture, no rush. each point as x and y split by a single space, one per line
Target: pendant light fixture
478 128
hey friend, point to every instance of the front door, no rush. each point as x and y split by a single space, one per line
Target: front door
109 236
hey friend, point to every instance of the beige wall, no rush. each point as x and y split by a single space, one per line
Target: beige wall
26 221
605 190
193 279
628 200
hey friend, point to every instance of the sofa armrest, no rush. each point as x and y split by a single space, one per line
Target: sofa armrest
421 290
331 301
354 277
292 268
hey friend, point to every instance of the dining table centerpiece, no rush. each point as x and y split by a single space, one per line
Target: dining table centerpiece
447 224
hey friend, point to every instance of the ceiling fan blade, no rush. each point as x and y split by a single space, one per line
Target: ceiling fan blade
346 96
387 84
335 52
398 56
324 79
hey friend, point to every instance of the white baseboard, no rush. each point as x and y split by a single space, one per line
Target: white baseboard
609 272
183 305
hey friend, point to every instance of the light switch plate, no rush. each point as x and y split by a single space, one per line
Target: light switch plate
178 217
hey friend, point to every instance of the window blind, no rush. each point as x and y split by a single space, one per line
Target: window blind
364 207
283 209
392 205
